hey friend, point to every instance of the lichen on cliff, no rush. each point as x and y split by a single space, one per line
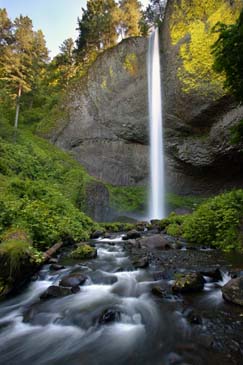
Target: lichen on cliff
191 28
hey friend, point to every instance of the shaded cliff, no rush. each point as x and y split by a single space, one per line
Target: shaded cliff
106 127
198 114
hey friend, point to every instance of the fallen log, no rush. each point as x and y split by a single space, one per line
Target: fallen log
51 251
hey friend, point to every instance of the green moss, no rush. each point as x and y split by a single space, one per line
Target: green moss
236 135
128 198
83 252
117 227
131 64
179 201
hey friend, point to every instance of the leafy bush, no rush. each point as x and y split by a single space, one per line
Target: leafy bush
174 229
41 189
216 222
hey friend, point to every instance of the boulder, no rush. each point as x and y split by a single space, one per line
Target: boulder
96 234
156 241
58 291
133 234
73 280
233 291
158 291
141 263
214 274
83 252
56 267
188 283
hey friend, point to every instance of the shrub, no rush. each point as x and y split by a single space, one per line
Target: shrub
216 222
83 252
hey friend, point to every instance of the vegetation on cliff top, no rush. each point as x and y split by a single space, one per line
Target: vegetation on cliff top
191 27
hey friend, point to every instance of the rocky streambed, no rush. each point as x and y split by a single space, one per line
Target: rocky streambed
144 300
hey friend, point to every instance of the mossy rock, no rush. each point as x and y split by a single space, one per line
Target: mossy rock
188 283
18 261
84 252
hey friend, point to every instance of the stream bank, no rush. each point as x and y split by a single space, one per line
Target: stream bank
117 316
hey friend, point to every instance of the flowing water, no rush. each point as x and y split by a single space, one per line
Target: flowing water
156 199
68 330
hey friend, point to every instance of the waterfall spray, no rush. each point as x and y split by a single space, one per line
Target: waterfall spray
157 189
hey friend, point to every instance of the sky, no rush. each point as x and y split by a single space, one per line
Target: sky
56 18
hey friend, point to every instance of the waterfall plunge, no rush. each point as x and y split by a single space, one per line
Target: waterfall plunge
156 196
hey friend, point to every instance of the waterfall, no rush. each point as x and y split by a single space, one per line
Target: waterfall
157 189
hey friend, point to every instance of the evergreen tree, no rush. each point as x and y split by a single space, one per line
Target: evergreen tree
154 13
97 28
23 55
130 18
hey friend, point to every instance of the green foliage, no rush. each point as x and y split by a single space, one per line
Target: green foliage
128 198
179 201
41 189
174 229
16 252
83 252
117 226
236 135
228 55
217 222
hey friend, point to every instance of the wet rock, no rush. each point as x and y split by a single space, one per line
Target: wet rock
192 316
214 274
155 242
233 291
133 243
53 261
83 252
107 235
56 267
109 316
58 291
158 291
73 280
141 263
174 359
132 235
141 226
96 234
188 283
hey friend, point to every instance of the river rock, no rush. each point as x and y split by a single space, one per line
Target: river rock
133 234
158 291
96 234
141 263
56 267
214 274
109 316
233 291
73 280
58 291
155 242
188 283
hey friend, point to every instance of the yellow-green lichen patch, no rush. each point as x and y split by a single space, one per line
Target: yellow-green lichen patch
192 25
131 64
104 83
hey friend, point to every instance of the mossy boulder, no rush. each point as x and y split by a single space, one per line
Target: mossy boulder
188 283
18 260
233 291
83 252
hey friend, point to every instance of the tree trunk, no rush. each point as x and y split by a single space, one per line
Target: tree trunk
17 108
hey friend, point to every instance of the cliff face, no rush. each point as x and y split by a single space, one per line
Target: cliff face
107 125
198 114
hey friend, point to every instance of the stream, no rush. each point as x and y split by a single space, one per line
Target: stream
115 319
